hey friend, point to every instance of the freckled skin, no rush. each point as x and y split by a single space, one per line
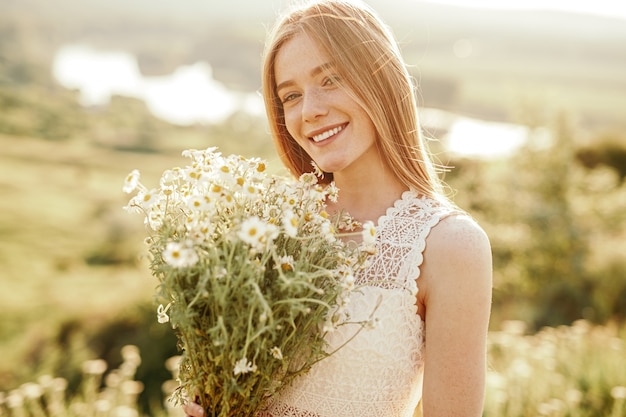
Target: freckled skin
314 103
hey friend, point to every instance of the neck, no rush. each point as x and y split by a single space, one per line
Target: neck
367 197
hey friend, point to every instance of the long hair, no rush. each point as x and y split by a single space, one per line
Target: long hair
372 70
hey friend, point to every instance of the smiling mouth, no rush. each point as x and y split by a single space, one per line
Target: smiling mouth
325 135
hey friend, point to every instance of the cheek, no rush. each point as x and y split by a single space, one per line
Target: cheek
292 124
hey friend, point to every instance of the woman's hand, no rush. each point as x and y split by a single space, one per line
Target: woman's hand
192 409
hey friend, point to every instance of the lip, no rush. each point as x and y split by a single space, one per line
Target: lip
318 136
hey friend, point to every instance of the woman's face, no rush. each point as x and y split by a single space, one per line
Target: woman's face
320 115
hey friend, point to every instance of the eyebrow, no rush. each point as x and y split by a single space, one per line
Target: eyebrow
316 71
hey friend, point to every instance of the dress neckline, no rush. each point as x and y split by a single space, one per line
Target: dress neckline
397 205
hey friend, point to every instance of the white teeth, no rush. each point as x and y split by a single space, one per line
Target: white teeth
327 134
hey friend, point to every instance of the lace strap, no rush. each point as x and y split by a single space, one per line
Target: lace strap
401 240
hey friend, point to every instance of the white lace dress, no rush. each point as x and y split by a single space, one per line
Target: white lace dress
379 372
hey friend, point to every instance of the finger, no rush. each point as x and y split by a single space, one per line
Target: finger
193 410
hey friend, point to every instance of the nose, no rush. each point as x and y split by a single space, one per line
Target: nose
314 105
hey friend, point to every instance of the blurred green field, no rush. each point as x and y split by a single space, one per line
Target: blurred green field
568 371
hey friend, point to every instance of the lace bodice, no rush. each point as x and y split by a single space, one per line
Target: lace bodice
379 372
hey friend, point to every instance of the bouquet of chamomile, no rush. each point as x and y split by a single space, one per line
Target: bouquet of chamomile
252 274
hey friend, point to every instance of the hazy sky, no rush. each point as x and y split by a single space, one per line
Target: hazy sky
612 8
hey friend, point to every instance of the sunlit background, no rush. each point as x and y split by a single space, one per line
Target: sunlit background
525 101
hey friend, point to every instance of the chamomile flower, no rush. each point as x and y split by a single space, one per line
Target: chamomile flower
271 212
316 170
319 193
162 316
250 191
131 182
226 174
146 199
276 353
200 230
347 223
347 282
328 231
132 206
180 255
290 223
285 263
199 202
154 219
243 366
333 192
170 177
259 165
308 178
369 233
200 155
257 233
252 231
290 200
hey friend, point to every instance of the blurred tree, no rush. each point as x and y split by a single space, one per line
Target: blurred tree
555 259
530 205
609 150
25 112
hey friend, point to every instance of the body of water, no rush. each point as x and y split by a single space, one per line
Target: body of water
190 95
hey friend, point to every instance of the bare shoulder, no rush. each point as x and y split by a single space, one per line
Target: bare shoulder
459 236
458 252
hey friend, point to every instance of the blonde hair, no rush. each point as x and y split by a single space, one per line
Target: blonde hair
370 65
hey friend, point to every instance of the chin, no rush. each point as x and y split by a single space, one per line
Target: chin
327 169
330 166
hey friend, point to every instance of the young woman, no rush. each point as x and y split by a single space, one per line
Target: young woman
338 93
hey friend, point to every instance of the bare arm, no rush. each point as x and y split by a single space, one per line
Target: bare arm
455 293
